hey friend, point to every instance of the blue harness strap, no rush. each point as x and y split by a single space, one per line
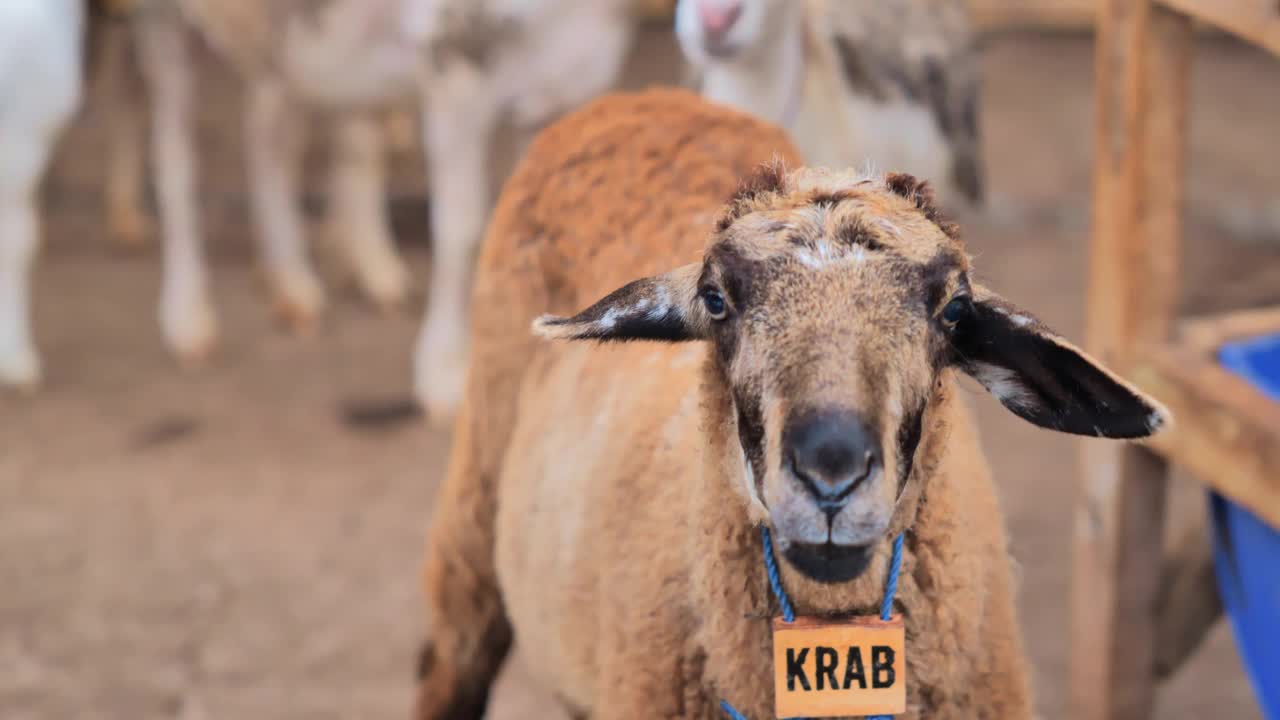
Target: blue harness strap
731 711
789 613
775 580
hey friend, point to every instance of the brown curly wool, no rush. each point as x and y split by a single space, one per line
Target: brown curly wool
593 505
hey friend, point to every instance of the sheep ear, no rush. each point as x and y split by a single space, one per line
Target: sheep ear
662 307
1045 379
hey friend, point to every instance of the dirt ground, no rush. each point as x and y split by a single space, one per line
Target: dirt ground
218 544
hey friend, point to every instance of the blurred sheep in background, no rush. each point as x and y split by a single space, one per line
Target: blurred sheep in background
891 84
41 49
894 84
471 62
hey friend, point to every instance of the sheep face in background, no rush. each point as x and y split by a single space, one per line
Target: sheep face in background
890 84
834 307
728 30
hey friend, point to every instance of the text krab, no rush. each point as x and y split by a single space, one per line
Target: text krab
837 667
823 667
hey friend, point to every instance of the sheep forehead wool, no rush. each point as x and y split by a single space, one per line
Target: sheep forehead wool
819 214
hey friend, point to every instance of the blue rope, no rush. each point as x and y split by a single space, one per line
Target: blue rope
775 580
789 614
731 711
891 587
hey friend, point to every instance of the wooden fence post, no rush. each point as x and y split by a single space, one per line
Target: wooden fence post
1142 62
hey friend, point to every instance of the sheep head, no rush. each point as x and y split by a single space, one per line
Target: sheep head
725 30
838 305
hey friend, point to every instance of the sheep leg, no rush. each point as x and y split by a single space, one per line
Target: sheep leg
469 633
359 212
40 88
186 312
127 223
399 125
25 159
273 146
458 128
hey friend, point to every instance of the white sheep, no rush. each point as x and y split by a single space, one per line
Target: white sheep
892 83
41 49
469 63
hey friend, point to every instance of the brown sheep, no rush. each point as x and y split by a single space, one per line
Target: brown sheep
603 499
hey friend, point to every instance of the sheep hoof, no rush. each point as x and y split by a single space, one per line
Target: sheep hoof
438 387
440 366
441 413
296 318
385 281
20 372
129 231
441 406
191 333
194 353
297 301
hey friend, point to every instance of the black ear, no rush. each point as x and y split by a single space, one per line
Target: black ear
1046 380
663 307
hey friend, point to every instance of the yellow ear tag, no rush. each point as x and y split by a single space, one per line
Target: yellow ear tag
832 668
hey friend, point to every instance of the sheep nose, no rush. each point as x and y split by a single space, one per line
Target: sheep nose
717 18
831 453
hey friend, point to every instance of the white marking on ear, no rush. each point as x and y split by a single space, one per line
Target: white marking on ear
1157 420
651 310
1021 320
1004 384
661 295
609 319
553 327
662 303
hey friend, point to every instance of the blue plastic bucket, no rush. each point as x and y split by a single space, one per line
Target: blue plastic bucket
1247 551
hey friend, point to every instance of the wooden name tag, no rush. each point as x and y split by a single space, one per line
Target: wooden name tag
831 668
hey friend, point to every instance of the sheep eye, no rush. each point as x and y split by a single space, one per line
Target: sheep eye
955 310
714 303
